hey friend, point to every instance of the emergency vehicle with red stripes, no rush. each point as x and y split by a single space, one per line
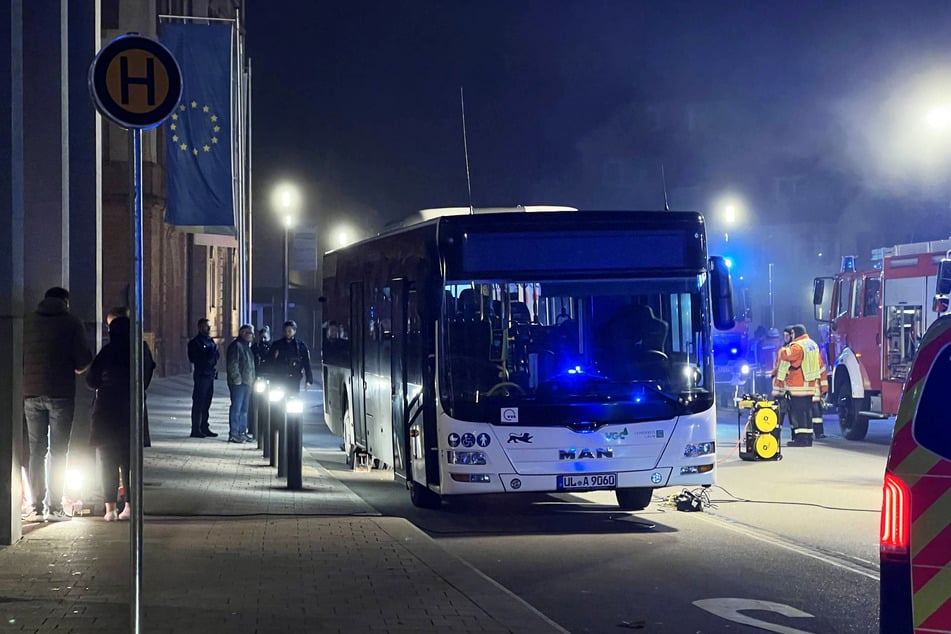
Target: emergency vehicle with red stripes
876 318
916 504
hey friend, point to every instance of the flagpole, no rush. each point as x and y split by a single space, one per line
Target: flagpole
250 235
237 188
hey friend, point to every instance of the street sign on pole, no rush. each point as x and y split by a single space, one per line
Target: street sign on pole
136 83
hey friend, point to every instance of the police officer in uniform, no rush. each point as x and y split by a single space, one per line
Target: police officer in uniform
289 360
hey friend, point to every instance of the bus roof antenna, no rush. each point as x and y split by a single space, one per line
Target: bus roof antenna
663 178
465 147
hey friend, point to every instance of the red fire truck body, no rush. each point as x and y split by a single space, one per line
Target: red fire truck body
876 318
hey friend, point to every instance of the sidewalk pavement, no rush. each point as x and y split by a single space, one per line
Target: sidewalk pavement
227 548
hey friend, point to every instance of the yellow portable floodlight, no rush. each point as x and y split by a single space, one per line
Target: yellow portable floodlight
762 429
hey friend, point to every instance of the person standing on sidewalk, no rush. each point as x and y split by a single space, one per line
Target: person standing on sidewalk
54 352
111 424
148 368
289 360
240 361
203 355
262 350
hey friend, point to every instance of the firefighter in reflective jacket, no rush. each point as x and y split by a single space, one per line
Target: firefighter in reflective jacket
803 372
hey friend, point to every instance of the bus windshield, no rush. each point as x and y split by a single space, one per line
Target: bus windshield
600 350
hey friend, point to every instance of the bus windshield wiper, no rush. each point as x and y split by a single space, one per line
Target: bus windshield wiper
659 389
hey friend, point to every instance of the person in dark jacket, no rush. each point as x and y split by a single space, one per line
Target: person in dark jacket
262 349
111 424
54 352
289 359
148 359
203 355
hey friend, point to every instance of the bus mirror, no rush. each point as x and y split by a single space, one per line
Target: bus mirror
942 286
721 294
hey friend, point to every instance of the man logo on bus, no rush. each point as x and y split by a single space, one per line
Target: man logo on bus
585 453
517 438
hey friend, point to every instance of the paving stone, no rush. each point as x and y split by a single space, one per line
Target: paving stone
227 548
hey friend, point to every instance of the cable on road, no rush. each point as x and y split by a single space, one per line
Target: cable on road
732 451
784 503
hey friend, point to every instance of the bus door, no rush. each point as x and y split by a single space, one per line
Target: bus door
399 291
358 364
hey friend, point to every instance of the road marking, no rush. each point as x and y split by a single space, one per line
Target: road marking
782 542
729 609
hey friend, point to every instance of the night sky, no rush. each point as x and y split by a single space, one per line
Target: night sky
358 102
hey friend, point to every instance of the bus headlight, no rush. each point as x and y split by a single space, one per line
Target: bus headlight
695 450
465 457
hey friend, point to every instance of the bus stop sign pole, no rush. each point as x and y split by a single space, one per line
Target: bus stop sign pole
135 82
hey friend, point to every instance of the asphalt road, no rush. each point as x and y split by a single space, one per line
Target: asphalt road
788 546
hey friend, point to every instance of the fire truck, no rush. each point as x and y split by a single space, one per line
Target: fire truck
876 318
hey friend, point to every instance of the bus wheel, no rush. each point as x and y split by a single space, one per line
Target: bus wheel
423 498
634 499
852 425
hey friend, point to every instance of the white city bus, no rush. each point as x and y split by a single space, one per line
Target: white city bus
528 352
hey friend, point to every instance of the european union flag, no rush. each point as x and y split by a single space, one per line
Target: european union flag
199 158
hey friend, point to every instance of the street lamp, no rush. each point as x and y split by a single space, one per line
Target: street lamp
938 118
288 223
287 200
343 237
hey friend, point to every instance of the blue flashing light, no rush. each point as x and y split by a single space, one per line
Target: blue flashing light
849 264
734 350
576 370
729 262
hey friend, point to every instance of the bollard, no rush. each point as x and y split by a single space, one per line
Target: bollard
264 438
254 416
281 441
294 440
275 413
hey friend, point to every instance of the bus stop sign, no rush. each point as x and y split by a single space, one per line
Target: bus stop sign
135 82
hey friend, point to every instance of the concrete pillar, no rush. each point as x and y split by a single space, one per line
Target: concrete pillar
11 269
46 153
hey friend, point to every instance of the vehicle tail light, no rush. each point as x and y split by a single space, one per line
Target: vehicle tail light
896 518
